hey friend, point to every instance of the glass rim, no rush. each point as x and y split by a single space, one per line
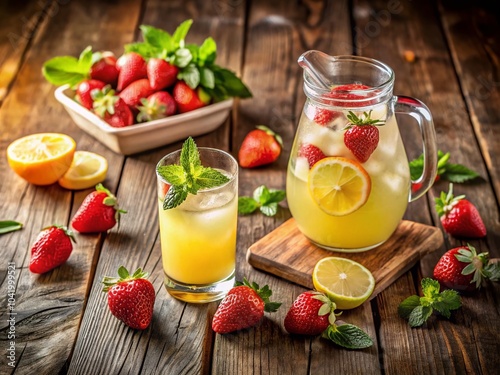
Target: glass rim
232 175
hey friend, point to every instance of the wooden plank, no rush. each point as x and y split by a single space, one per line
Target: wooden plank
432 79
180 339
297 256
50 306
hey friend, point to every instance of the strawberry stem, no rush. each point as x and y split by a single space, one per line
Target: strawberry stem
264 293
123 275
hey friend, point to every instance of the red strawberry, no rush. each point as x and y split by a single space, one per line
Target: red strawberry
131 298
344 95
131 67
134 92
188 99
259 147
112 108
98 212
51 249
312 153
310 314
459 217
362 136
323 116
84 92
243 307
156 106
104 68
161 74
463 269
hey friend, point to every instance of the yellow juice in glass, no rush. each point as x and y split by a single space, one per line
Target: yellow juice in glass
388 171
192 251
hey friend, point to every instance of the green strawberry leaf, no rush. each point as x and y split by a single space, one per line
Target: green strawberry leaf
7 226
348 336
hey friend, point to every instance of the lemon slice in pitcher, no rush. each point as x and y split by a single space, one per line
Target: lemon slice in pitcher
87 170
338 185
345 281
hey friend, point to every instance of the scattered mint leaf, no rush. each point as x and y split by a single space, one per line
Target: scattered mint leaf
263 198
247 205
189 176
446 171
7 226
348 336
418 309
70 70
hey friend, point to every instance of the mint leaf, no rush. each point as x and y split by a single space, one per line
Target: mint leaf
175 196
262 194
269 209
146 50
229 84
157 38
7 226
407 306
211 178
63 70
207 78
447 171
182 58
247 205
188 176
448 300
191 75
418 309
181 32
173 174
348 336
207 52
276 196
458 173
419 316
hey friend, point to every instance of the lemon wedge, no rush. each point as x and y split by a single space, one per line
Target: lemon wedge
87 170
41 158
339 186
345 281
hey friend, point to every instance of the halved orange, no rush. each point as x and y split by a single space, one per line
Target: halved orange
41 158
339 185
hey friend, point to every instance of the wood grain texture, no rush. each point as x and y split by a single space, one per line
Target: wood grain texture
287 253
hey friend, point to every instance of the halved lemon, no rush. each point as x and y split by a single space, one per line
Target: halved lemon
338 185
41 158
345 281
87 170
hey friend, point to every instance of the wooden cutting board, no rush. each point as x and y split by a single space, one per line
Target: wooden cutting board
287 253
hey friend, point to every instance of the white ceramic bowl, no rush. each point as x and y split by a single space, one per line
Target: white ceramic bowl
148 135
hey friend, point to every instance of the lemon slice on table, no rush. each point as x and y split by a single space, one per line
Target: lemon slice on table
345 281
41 158
338 185
87 170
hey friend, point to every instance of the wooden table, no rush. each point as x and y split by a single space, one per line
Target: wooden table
63 324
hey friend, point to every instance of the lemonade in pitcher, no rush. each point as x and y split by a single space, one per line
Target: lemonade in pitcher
348 179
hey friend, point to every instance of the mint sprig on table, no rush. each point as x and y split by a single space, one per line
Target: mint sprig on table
196 62
264 199
189 176
418 309
447 171
7 226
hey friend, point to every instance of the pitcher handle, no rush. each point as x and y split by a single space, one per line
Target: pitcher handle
419 111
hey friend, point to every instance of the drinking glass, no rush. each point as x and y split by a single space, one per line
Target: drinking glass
198 237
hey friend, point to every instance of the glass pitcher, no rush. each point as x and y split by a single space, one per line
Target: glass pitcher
348 179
